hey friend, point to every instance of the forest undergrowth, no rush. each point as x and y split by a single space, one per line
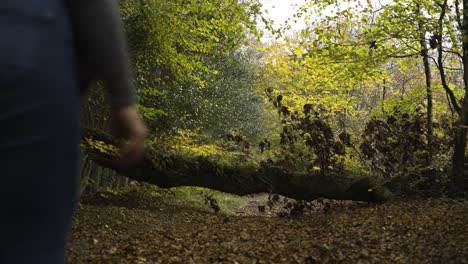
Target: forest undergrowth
144 224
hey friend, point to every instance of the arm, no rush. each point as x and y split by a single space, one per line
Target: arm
102 54
101 47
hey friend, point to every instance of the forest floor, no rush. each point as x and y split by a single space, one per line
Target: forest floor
148 225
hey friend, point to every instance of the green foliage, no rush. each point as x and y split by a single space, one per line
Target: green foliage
227 103
172 40
189 147
99 146
175 45
201 76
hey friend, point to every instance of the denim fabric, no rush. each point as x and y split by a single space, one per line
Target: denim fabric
39 131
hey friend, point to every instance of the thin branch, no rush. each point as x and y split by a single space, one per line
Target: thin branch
446 68
449 103
403 56
453 52
435 62
442 6
453 69
440 66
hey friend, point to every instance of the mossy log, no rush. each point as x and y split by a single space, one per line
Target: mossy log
168 171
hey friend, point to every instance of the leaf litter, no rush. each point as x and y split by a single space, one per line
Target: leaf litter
130 227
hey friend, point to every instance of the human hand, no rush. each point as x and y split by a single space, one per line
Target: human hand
129 126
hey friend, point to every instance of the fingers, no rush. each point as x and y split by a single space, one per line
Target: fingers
131 127
130 154
133 150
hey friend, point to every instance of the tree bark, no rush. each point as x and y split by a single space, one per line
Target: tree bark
457 175
427 73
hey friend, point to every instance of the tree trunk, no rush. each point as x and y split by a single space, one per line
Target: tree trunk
427 73
457 175
384 93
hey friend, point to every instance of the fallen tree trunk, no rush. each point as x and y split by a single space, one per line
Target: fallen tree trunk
168 171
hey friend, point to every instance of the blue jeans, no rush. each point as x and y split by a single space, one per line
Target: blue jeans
39 131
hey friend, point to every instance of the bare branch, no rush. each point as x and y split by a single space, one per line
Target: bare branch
453 69
440 63
435 62
403 56
454 53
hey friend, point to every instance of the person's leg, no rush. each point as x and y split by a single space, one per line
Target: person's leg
39 132
38 166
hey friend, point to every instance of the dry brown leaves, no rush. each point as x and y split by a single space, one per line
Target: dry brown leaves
403 232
